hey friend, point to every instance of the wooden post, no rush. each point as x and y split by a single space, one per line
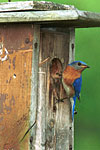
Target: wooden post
53 121
71 58
34 86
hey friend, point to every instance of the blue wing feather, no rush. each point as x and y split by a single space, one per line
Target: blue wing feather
74 98
77 87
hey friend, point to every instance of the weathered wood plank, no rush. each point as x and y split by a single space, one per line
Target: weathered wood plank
43 5
58 115
57 18
71 58
15 85
15 6
34 85
40 130
37 16
72 45
88 16
33 5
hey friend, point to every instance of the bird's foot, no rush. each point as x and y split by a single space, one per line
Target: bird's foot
60 100
75 112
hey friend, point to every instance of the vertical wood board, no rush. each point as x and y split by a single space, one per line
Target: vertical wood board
15 84
72 58
55 44
34 88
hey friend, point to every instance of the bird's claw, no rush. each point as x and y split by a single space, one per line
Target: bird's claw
75 112
59 100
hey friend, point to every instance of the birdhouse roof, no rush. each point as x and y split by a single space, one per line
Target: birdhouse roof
47 14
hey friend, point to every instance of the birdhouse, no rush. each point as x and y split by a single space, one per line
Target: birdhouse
36 44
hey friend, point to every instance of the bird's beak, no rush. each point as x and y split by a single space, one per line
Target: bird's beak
85 66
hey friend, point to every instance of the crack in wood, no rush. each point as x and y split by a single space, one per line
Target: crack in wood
28 132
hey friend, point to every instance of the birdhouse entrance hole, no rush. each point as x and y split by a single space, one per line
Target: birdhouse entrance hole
55 82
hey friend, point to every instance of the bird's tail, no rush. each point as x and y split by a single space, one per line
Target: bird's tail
74 98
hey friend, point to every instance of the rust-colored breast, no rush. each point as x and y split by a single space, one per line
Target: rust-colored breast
70 75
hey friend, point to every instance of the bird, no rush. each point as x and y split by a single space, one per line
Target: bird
72 80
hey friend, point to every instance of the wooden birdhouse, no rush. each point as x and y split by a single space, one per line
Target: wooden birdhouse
36 44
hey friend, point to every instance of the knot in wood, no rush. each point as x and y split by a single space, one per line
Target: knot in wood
51 123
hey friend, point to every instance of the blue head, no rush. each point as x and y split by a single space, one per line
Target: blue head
79 65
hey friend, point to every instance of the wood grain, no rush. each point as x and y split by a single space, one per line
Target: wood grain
15 89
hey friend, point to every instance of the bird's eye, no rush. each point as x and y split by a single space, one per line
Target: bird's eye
79 64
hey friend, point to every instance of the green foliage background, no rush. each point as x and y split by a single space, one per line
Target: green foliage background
87 121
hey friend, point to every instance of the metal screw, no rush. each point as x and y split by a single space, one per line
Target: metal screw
31 139
70 128
72 46
35 45
27 40
70 147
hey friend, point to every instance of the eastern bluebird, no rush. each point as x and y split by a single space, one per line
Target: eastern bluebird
72 80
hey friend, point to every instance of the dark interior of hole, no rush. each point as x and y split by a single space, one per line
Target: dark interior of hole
56 68
55 81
